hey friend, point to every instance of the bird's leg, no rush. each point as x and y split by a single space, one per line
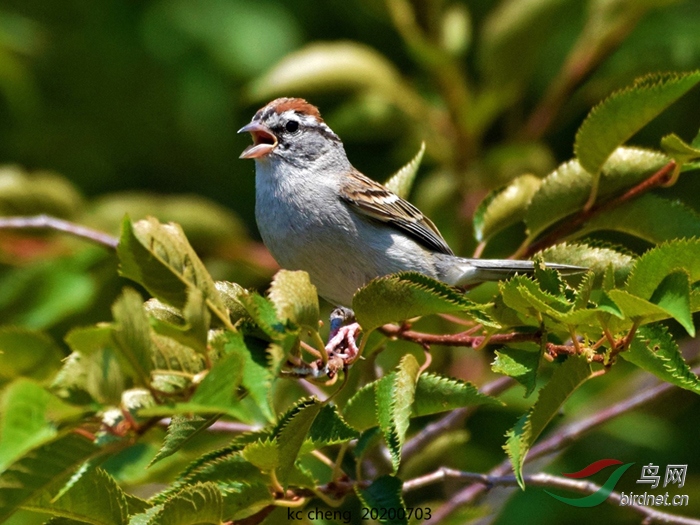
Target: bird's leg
341 349
341 340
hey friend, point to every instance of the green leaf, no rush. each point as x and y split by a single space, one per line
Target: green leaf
262 311
95 498
367 440
27 353
504 207
189 326
329 428
196 505
219 386
90 339
607 305
520 364
141 518
567 189
548 279
596 259
36 193
395 396
29 414
360 411
654 350
385 493
320 67
175 365
648 217
401 182
404 295
52 289
565 380
132 335
159 257
40 468
636 308
295 298
657 263
525 296
225 467
435 393
673 295
696 140
246 500
181 430
303 477
88 378
264 454
679 150
612 122
257 379
230 293
197 317
291 433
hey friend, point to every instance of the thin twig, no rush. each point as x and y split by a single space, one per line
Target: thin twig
461 339
312 389
53 223
544 480
572 224
478 341
557 441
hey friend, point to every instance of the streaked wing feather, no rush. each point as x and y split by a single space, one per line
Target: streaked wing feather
376 201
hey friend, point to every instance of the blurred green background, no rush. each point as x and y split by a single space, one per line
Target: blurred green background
133 106
123 95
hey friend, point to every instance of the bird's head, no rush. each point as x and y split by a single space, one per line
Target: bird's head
289 129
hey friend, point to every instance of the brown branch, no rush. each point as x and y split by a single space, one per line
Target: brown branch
476 341
657 179
548 481
558 441
53 223
460 339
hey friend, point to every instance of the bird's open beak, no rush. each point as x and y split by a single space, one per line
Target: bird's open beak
263 141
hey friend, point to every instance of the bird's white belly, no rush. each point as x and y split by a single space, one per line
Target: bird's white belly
328 253
340 250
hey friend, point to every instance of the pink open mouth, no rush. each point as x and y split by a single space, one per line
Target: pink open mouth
263 141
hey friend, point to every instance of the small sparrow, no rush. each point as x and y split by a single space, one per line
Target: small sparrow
317 213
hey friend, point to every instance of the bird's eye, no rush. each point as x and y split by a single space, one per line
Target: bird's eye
291 126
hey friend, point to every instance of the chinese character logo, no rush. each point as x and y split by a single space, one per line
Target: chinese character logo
650 475
604 491
675 475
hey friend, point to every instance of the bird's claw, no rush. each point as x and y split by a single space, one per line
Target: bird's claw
341 349
343 343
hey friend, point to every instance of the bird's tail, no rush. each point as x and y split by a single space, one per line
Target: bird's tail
459 271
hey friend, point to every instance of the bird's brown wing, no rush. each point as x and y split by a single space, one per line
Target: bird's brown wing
375 201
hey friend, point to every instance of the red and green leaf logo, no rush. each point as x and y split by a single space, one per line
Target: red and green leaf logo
604 491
